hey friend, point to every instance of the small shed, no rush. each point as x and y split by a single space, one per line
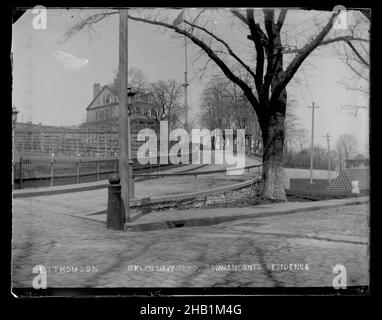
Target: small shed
358 162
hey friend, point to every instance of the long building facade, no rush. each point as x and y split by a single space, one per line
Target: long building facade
98 136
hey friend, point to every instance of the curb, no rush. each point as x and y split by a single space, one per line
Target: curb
206 221
32 193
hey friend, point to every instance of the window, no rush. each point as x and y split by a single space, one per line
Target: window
145 112
137 110
150 99
106 99
105 114
152 113
138 98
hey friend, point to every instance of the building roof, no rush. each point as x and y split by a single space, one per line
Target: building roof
112 90
99 93
358 157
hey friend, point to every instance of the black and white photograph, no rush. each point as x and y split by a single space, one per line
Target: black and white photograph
189 148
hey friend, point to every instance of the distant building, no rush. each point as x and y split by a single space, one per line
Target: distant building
103 110
102 113
98 135
358 162
38 138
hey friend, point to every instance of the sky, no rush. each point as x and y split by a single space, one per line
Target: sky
53 81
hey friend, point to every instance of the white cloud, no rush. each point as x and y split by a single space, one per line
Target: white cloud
68 61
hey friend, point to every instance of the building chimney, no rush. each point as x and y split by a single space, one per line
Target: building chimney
96 89
116 85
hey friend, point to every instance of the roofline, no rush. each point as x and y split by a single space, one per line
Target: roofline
115 93
103 106
98 94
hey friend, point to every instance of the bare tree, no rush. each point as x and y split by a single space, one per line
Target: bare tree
352 47
356 57
345 146
291 125
137 80
301 138
265 65
224 106
167 95
214 105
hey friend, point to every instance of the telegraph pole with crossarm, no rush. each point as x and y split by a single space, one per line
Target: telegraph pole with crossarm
328 139
312 141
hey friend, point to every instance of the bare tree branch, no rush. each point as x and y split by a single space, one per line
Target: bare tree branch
281 19
328 41
358 73
361 59
239 15
287 75
257 36
229 74
269 16
88 23
226 45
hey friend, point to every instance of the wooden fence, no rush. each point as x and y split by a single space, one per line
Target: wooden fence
29 173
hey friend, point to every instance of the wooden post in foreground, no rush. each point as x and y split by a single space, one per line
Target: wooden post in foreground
124 134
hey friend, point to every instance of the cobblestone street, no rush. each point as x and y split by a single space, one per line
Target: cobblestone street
67 245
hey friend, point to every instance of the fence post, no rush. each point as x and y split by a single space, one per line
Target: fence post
132 181
21 172
52 171
97 166
115 162
115 212
78 168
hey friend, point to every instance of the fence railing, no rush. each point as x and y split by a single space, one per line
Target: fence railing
31 172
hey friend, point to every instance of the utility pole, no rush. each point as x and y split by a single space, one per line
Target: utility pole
124 134
311 145
179 19
185 85
328 139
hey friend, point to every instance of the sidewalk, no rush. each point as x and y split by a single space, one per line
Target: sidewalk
204 217
42 191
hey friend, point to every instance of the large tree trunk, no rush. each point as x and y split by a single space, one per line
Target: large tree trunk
273 171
